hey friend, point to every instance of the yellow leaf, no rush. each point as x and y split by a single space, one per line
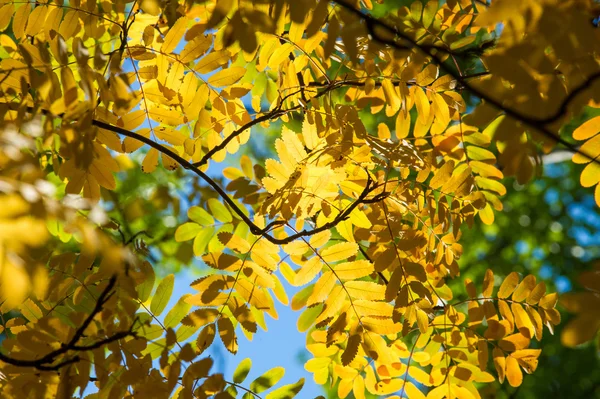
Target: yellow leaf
488 284
320 239
20 20
212 61
514 375
372 308
591 174
391 97
442 175
315 364
201 317
322 289
295 247
422 320
227 77
420 375
412 391
341 251
359 219
524 288
69 24
166 116
309 271
293 145
508 285
150 161
590 147
549 301
522 319
365 290
227 334
6 14
309 134
353 270
174 35
169 135
587 129
402 125
195 48
537 293
499 364
487 214
36 20
485 169
234 242
422 103
279 56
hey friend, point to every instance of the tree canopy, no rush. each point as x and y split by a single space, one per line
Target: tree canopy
343 147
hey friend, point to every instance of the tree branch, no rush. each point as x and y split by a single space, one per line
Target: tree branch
254 229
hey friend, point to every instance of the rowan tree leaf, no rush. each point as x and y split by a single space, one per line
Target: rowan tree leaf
242 370
177 313
219 211
227 334
353 270
286 391
162 295
508 285
339 252
267 380
226 77
187 231
174 35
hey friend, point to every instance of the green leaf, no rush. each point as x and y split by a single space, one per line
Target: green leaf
187 231
465 41
200 216
267 380
286 391
162 295
178 312
429 12
220 211
242 370
308 317
202 240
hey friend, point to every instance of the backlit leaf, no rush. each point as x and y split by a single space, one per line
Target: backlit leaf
162 295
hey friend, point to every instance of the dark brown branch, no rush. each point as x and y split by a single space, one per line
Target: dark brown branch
105 341
534 122
254 229
45 363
